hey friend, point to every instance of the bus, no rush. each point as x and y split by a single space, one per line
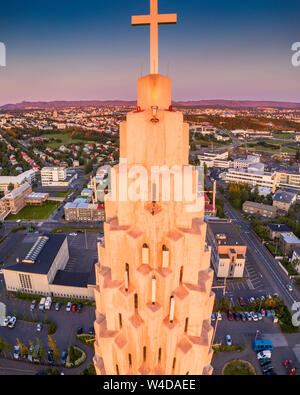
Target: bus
260 345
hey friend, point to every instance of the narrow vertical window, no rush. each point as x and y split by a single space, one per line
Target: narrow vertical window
144 354
181 274
120 320
174 363
136 301
145 254
165 257
186 325
159 354
117 370
130 360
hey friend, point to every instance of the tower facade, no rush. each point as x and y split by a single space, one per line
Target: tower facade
153 276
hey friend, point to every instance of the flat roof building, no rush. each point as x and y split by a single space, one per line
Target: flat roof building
228 255
260 209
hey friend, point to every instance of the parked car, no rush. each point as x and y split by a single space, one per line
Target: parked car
268 313
79 307
50 356
249 318
230 315
79 331
33 304
241 301
243 316
57 306
6 321
213 317
16 352
251 300
254 316
73 234
267 368
236 316
219 315
39 327
259 315
12 322
264 354
74 308
263 312
270 373
228 340
264 361
91 330
69 306
63 359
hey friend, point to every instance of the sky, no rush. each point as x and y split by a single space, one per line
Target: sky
88 50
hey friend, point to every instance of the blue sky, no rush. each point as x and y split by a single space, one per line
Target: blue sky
76 50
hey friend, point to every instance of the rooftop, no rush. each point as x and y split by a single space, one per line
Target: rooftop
226 233
279 228
290 238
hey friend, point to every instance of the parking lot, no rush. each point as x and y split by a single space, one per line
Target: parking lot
244 333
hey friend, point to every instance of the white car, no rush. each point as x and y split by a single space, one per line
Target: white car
39 327
6 321
252 299
12 322
264 354
219 315
228 340
73 234
289 287
254 316
69 306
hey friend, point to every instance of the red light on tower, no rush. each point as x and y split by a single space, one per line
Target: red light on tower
170 108
138 109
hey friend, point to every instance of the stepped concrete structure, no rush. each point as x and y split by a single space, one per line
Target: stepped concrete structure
153 277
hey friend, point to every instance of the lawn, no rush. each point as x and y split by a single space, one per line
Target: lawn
62 194
66 138
238 368
35 212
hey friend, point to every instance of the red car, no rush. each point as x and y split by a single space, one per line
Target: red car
230 315
74 308
241 301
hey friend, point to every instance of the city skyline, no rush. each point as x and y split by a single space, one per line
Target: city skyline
82 52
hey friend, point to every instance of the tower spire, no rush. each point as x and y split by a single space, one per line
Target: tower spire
154 19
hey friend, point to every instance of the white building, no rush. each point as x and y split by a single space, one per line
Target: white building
54 176
245 163
27 176
254 175
215 160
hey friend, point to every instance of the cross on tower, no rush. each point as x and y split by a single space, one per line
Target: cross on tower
154 19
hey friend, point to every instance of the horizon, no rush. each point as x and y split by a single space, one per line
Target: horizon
58 52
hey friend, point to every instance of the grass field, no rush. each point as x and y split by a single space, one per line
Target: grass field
35 212
238 368
62 194
66 138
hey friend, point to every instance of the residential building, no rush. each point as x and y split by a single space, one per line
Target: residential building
283 200
276 229
263 210
296 259
14 201
228 255
83 211
288 243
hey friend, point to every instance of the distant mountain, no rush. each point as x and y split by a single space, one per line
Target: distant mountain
196 103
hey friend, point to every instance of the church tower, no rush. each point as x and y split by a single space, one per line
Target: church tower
153 276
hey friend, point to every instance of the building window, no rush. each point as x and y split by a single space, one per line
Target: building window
165 257
159 354
174 363
120 320
136 301
144 354
117 370
181 275
145 254
186 325
130 360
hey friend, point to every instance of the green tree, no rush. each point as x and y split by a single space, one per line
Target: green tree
10 187
53 347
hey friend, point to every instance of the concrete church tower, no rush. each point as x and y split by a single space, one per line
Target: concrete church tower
153 293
